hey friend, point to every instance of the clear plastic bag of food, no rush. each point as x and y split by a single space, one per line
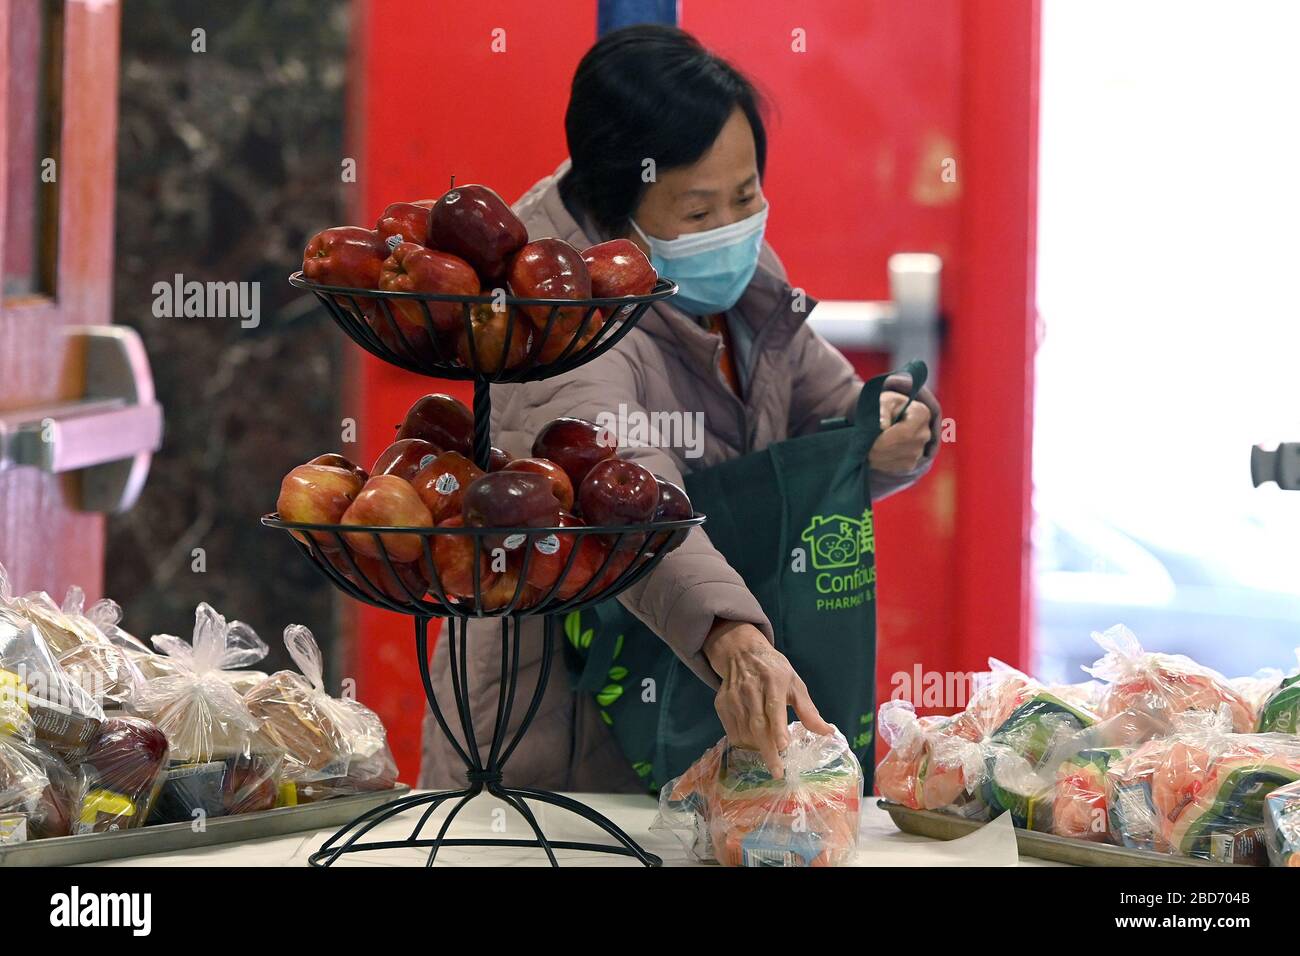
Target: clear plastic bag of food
727 806
63 714
205 719
1279 711
1282 825
332 746
120 776
1079 808
1161 685
1201 791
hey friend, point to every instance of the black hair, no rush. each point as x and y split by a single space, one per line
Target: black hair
647 92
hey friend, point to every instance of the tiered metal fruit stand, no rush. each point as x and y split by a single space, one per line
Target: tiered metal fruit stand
381 323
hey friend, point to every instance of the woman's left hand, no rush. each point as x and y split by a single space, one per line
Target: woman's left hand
900 447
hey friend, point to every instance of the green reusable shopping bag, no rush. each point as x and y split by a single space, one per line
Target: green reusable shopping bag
795 521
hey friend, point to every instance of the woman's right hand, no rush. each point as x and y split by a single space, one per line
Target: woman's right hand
758 684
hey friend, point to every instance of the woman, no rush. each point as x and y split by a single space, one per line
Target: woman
667 148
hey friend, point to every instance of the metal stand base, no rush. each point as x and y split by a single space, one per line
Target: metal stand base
484 776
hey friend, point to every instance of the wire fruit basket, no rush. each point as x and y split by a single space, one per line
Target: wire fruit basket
463 574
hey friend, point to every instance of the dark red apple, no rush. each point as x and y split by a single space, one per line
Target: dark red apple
387 501
591 551
334 460
618 492
674 505
575 445
441 421
504 588
317 494
510 499
441 484
618 564
375 575
473 222
413 268
404 458
551 269
406 219
551 552
345 256
498 458
249 786
561 486
618 268
127 758
453 562
483 346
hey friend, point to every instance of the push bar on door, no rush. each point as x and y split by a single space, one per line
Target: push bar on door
108 436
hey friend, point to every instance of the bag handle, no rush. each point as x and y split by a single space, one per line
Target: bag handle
919 372
866 415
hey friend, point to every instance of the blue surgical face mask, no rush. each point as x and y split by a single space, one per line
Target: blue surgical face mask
711 268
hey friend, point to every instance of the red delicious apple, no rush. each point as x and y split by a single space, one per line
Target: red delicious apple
618 268
404 458
374 575
674 505
575 445
317 494
551 269
618 564
388 501
619 492
249 786
442 482
591 549
498 458
413 268
128 759
453 562
473 222
561 486
442 421
345 256
334 460
406 219
503 591
510 499
551 552
489 328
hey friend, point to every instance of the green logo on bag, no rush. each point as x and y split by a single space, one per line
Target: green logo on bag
839 547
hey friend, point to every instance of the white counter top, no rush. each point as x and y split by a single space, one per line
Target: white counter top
881 844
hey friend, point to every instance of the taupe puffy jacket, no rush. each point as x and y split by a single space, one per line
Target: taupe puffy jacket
668 363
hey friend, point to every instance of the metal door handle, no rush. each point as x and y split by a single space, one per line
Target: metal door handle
109 435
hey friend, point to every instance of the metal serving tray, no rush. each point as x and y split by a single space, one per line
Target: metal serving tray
1043 846
166 837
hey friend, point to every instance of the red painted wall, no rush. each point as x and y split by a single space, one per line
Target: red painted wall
861 124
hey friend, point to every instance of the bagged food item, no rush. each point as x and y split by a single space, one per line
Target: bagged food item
1257 688
727 806
120 776
1201 791
1022 754
901 774
1079 805
1161 685
1087 695
203 717
332 746
1282 825
63 714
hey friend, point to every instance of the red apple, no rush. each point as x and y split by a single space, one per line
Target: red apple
510 499
591 549
406 219
498 458
551 269
442 421
388 501
473 222
619 492
441 484
551 552
249 786
453 562
503 589
674 505
618 268
575 445
404 458
335 460
618 564
488 331
376 576
413 268
345 256
317 494
561 486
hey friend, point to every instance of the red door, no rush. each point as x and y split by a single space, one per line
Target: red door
873 101
58 116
